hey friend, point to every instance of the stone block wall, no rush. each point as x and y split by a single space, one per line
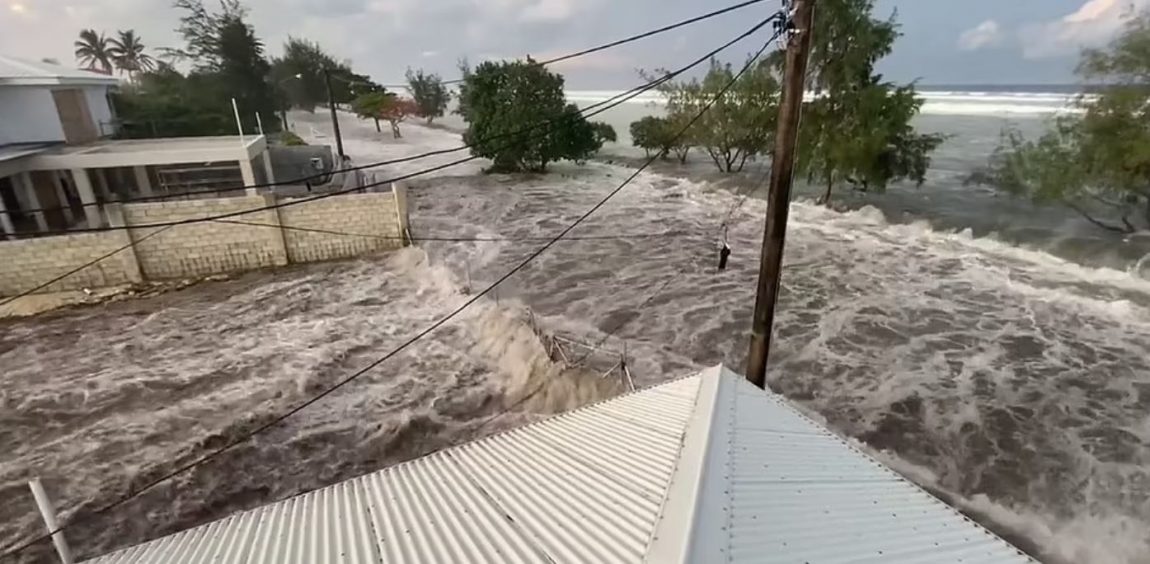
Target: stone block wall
342 226
331 228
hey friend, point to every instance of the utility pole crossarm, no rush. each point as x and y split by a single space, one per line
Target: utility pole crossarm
800 30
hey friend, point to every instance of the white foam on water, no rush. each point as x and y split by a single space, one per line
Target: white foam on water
936 103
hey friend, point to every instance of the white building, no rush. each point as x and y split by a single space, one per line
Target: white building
57 165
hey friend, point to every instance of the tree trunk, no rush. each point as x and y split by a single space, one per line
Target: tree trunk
826 199
1096 222
395 130
682 153
430 119
715 157
377 128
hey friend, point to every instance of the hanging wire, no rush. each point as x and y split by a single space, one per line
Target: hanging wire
489 289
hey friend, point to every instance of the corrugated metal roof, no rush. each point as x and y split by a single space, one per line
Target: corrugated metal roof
22 72
702 469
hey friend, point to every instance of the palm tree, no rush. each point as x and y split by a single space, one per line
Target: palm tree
127 53
93 52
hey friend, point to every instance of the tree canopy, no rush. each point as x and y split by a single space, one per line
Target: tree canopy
127 52
429 93
93 50
299 76
1096 162
657 135
227 62
517 116
857 129
738 126
386 106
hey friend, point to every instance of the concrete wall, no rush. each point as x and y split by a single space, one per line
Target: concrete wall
255 240
101 109
290 163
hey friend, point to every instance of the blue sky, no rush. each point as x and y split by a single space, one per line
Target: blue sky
945 42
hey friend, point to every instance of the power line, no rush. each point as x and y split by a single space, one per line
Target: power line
106 256
531 258
640 36
617 100
318 176
621 98
450 239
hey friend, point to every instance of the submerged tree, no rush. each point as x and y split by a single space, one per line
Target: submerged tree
1096 163
429 93
604 132
658 136
372 106
857 129
517 116
739 125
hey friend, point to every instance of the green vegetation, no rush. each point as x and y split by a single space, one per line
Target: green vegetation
127 53
227 61
372 106
737 128
1096 163
299 77
291 139
857 130
604 132
385 106
517 116
656 135
429 92
94 51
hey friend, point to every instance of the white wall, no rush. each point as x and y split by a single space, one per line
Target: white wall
28 113
101 111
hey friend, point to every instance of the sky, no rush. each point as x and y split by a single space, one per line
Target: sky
944 41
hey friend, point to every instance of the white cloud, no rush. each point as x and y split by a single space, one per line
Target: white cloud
1092 25
985 34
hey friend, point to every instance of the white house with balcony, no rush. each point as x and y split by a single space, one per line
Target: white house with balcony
58 165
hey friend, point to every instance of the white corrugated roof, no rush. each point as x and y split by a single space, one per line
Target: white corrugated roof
20 72
702 469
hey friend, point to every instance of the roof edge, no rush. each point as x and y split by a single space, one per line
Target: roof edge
673 535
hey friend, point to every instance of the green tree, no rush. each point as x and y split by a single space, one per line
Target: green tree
517 116
166 103
429 93
299 73
227 61
1096 163
604 132
127 53
857 129
372 106
739 126
94 51
657 135
242 67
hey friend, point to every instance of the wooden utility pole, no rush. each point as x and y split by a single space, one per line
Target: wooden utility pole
334 117
779 197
